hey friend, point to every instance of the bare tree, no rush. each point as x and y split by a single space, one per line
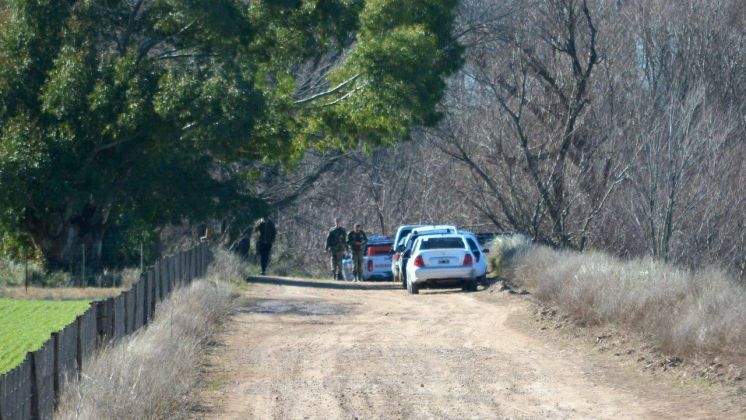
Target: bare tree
617 125
520 117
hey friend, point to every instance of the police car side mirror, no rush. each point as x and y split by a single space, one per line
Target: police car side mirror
486 250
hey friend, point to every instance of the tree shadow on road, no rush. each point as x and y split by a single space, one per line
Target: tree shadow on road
324 284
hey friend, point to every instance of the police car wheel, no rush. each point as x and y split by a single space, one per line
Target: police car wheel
412 288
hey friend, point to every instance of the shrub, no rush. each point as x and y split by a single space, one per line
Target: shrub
228 267
13 273
682 311
152 373
504 248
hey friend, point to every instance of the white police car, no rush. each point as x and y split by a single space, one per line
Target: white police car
377 258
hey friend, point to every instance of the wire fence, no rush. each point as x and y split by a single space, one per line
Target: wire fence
30 391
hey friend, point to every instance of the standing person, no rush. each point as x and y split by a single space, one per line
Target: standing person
336 245
266 231
356 239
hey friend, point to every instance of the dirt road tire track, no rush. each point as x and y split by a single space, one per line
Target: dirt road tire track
323 349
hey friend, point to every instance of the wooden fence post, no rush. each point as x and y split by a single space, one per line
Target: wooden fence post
128 326
177 271
15 391
105 320
195 256
192 264
56 352
42 389
140 312
200 260
164 280
79 346
118 318
150 294
87 336
172 273
187 271
158 282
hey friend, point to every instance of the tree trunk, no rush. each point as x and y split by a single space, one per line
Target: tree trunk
60 241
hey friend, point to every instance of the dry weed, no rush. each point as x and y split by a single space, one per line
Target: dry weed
504 248
682 311
229 267
60 293
152 373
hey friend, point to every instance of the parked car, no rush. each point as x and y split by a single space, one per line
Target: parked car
400 261
480 255
441 260
377 258
401 233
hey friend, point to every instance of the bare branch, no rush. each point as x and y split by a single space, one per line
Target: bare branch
328 92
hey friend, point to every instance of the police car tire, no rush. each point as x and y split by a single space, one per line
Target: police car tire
412 288
469 286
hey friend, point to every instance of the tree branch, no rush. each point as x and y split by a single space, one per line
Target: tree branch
328 92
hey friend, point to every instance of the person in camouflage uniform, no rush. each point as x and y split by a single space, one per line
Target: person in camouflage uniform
356 239
265 236
336 245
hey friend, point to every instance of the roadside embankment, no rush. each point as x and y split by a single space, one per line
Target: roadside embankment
682 312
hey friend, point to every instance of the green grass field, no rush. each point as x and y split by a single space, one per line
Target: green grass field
26 324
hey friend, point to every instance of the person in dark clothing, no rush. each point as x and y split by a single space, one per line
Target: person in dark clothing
266 232
357 239
336 246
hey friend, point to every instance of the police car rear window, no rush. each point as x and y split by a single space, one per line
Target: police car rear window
442 243
374 250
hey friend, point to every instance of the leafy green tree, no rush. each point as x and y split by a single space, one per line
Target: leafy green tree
116 111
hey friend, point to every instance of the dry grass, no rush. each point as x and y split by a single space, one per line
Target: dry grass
504 248
683 312
152 373
229 267
59 293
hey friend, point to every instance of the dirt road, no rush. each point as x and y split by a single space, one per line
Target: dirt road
324 349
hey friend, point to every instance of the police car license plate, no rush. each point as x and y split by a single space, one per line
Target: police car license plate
443 261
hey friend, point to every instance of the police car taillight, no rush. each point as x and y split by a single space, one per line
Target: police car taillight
419 262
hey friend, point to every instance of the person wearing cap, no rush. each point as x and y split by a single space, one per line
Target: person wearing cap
357 239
